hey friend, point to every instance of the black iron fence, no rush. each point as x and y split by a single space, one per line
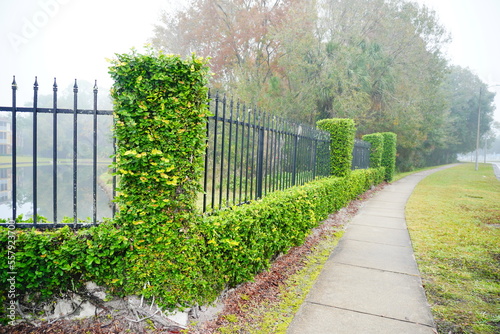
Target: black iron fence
11 183
361 154
251 153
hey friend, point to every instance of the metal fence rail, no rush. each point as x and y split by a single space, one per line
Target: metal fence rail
361 154
55 112
250 154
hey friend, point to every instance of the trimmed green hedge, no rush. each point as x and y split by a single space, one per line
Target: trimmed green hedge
54 261
342 132
389 155
242 241
160 107
377 148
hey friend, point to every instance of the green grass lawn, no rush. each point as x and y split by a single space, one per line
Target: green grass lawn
454 221
23 160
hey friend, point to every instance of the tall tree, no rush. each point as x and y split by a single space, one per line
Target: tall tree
261 50
386 56
378 62
468 97
235 34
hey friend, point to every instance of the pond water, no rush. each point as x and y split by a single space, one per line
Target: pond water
44 192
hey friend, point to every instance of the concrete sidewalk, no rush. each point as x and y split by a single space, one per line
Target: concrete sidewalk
496 169
371 283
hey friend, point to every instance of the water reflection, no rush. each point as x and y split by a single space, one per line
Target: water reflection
64 192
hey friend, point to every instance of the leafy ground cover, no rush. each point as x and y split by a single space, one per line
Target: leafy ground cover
454 221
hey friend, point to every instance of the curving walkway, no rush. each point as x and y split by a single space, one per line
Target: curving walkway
496 169
371 282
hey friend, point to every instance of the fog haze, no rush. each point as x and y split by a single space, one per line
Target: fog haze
71 39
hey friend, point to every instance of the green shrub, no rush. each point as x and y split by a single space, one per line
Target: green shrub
160 122
54 261
389 155
160 108
240 242
342 132
377 148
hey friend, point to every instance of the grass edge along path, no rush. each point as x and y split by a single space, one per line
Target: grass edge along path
453 217
276 316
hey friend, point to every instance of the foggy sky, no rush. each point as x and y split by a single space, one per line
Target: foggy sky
474 26
71 39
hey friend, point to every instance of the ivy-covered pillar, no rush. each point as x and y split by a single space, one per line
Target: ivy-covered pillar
342 132
160 110
389 155
377 148
160 119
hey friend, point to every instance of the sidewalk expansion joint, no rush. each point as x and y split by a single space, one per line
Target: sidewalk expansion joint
386 202
374 315
378 269
384 216
380 243
389 228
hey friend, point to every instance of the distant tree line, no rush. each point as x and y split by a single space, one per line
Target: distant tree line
379 62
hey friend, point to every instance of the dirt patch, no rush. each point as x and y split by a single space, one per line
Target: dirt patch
122 318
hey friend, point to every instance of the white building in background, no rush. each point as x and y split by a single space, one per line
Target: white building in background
5 136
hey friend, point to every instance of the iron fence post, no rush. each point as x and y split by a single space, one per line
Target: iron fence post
214 163
205 176
54 152
222 151
94 158
35 149
14 151
260 162
294 166
75 152
229 150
